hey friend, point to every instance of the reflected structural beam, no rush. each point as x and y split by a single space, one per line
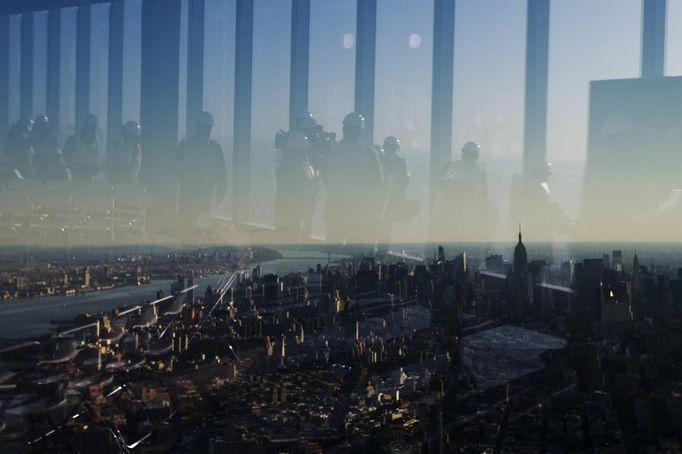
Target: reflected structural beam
159 100
653 37
115 89
83 38
54 32
441 96
26 71
195 61
442 85
365 60
300 56
24 6
242 111
537 55
4 80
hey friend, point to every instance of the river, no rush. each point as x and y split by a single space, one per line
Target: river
32 317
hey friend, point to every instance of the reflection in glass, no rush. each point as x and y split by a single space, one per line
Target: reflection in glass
67 79
614 43
219 55
99 64
270 111
132 64
404 53
39 62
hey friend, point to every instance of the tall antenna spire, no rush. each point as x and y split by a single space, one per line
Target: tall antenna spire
519 231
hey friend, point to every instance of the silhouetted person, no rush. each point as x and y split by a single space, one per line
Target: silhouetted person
465 210
353 176
125 155
397 207
81 150
200 170
48 159
20 148
297 187
531 204
320 140
467 171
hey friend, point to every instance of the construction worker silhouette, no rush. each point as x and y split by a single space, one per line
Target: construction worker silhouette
353 177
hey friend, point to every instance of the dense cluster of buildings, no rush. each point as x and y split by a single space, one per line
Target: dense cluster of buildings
57 279
43 276
371 354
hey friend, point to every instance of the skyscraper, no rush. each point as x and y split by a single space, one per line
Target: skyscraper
520 281
520 258
618 260
636 285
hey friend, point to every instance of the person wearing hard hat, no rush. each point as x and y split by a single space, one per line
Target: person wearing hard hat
125 155
396 207
465 211
320 140
353 177
200 170
48 158
395 168
81 150
20 148
297 187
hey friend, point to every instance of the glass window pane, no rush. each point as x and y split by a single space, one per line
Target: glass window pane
673 62
219 55
270 112
132 63
588 41
99 64
331 73
332 61
404 55
490 40
40 62
67 79
490 76
182 85
14 66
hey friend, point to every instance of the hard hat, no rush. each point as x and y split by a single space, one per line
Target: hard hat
205 119
391 144
91 121
471 146
27 122
304 118
132 128
297 140
470 151
41 120
354 119
543 169
306 122
303 115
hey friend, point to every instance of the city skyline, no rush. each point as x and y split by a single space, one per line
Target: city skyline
348 226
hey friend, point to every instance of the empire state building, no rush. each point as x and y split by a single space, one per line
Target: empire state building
520 259
519 278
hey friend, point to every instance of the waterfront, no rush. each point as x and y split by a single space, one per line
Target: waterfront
32 317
